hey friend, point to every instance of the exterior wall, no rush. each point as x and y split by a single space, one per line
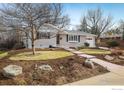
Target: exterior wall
91 42
64 43
43 43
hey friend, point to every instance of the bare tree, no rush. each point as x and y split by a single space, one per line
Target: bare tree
97 23
122 28
30 17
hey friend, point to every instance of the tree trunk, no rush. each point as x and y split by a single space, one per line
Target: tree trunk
33 47
97 42
33 40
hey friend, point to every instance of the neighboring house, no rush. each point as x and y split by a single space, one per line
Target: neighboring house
52 36
111 36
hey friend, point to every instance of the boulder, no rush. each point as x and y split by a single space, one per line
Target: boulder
88 63
109 58
11 71
121 57
45 68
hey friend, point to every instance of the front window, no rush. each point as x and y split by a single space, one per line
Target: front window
43 35
89 38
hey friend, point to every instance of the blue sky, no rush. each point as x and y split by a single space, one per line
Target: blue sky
76 11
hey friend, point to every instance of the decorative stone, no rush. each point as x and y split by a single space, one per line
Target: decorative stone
88 63
45 68
109 58
61 67
121 57
12 71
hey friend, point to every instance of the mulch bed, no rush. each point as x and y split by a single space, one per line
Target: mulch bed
66 70
115 61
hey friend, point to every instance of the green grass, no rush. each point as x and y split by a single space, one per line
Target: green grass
41 55
95 51
3 54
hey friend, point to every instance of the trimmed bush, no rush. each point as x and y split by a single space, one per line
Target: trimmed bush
112 43
86 44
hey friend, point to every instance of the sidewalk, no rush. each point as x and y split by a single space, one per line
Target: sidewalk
105 79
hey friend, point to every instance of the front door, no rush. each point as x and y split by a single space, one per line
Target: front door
58 39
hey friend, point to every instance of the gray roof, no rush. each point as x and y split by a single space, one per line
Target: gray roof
74 32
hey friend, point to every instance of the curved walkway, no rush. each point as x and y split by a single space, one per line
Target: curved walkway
109 66
114 77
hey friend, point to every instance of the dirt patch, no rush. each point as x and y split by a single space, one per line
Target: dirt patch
65 70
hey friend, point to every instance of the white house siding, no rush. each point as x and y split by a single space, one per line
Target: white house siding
91 42
64 43
43 43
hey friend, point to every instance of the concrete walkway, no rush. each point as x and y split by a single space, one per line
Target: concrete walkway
105 48
114 77
105 79
111 67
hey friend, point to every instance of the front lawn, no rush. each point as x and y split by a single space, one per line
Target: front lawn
64 70
3 54
95 51
40 55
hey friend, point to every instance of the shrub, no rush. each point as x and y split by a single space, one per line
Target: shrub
8 43
112 43
86 44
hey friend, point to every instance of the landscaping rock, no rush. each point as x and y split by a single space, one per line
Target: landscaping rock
61 67
121 57
88 63
45 68
61 80
12 71
109 58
